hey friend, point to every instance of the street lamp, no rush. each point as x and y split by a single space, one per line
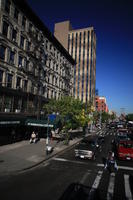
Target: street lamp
47 139
49 149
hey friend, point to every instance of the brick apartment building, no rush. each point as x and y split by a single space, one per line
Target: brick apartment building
101 104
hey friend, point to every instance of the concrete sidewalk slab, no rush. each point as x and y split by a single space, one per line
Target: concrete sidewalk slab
23 155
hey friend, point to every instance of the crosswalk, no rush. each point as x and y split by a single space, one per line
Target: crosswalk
110 186
108 182
105 133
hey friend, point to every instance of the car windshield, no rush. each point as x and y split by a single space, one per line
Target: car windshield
122 137
126 145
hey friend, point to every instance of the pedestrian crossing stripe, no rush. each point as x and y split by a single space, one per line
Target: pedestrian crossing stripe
95 184
106 133
111 185
119 167
127 187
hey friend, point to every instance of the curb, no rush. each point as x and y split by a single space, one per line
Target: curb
49 156
15 172
46 158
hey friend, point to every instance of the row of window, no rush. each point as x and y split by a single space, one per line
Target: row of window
13 35
10 80
48 45
16 13
10 56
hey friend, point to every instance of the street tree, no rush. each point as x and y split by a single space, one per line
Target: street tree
129 117
72 113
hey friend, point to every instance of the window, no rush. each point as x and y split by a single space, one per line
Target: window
9 80
12 56
18 82
20 61
22 42
30 27
14 35
16 12
23 21
25 85
7 6
1 77
5 28
2 52
28 45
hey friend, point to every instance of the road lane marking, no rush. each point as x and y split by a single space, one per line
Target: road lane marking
71 161
97 180
95 184
127 187
111 186
119 167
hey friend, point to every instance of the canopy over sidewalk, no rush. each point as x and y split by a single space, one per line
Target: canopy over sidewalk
39 123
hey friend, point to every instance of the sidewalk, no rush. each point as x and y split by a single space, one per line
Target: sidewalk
22 155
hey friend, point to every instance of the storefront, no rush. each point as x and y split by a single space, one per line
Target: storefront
11 128
40 126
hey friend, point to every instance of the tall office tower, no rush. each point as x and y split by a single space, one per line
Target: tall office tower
81 45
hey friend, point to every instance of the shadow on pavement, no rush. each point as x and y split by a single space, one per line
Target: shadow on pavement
77 191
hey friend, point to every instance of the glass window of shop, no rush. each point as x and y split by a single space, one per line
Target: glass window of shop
8 102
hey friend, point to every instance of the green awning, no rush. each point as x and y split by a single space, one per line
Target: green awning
39 123
8 122
11 120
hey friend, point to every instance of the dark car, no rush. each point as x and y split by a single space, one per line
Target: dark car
101 139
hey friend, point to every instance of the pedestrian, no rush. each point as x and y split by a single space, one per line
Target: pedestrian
110 162
33 137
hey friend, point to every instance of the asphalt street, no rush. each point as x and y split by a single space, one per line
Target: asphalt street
56 177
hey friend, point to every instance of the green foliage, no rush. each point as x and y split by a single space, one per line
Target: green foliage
129 117
72 112
105 117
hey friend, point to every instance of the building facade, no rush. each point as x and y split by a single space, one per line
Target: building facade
101 104
34 66
81 45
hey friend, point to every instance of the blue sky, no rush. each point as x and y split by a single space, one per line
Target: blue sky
113 24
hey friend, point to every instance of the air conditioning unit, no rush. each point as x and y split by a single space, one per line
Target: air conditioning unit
7 110
17 111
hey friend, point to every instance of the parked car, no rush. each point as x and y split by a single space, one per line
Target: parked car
86 149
